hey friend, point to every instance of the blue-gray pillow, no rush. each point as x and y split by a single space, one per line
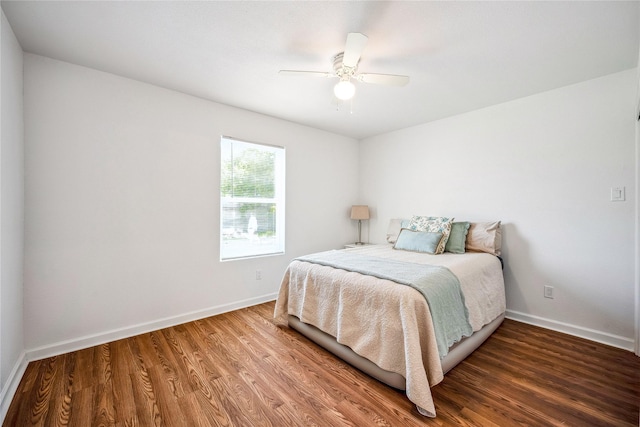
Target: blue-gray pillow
457 237
418 241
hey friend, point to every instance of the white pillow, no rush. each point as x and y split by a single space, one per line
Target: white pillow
485 237
395 225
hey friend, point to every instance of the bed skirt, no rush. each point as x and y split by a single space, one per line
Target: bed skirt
457 353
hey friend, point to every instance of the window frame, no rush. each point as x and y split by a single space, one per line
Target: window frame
278 200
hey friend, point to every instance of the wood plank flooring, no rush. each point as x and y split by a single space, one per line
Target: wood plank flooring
241 369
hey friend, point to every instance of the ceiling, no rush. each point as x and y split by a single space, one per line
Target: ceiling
461 56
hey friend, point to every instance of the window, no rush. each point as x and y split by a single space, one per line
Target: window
251 199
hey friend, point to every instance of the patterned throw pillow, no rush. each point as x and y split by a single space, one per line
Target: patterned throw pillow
433 224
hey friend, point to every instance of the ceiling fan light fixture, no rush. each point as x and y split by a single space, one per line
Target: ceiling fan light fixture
344 90
345 68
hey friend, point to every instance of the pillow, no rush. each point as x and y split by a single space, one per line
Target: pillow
457 237
418 241
433 224
485 237
395 224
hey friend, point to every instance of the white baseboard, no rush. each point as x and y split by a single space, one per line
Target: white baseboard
130 331
10 387
578 331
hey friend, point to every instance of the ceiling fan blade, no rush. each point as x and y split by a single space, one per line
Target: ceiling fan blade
305 73
353 49
383 79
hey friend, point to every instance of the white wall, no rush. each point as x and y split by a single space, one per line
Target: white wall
544 165
122 205
12 361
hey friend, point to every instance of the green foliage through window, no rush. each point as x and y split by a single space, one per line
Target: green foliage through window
248 173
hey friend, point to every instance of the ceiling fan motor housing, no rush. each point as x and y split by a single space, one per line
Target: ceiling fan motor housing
342 71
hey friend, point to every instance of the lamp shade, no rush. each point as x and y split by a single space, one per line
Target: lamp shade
359 212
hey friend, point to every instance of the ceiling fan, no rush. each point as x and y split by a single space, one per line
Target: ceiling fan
345 67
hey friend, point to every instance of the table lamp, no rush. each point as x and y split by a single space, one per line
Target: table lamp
359 212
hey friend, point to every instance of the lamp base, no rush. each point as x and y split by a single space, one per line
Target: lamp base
359 243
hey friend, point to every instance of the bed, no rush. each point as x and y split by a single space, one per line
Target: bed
342 301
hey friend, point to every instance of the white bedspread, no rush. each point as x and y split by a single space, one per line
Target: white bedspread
387 323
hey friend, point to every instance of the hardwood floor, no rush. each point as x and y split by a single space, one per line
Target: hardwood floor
240 369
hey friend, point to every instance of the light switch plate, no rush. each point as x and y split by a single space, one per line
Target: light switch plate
617 194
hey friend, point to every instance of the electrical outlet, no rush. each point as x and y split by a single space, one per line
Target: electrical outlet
258 274
548 292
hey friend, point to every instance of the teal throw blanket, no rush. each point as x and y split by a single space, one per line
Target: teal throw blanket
437 284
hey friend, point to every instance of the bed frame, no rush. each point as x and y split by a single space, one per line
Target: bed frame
457 353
